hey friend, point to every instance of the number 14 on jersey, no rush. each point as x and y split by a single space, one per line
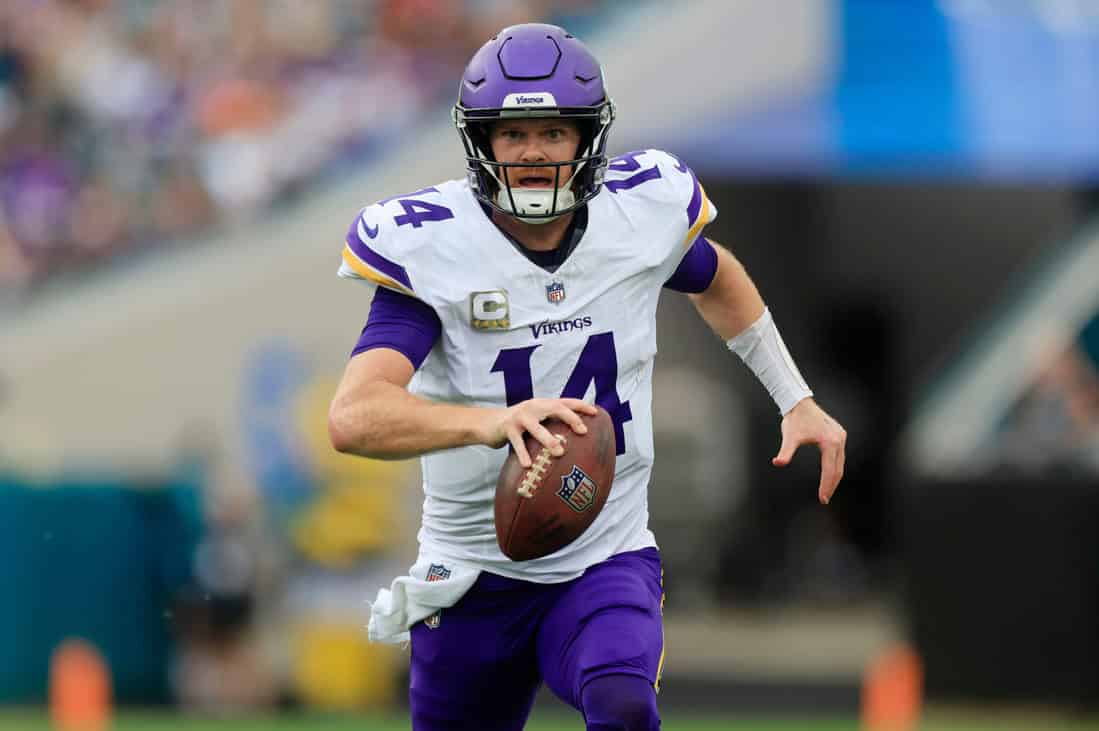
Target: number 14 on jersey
598 362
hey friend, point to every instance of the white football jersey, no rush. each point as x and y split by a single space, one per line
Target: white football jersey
513 331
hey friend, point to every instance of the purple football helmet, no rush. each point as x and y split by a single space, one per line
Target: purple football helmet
534 70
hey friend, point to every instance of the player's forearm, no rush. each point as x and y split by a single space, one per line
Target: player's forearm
731 303
732 307
384 421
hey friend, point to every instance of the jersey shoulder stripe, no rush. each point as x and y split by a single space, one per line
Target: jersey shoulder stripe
366 262
382 242
699 211
676 187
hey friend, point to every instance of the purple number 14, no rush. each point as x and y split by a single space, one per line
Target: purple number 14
598 362
417 211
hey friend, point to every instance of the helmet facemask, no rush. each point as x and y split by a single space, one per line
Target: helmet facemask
536 205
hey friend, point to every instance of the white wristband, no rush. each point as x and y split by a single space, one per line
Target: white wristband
761 348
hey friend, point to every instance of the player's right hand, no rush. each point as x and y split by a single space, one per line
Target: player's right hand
508 425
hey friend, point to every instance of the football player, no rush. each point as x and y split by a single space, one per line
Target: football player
528 290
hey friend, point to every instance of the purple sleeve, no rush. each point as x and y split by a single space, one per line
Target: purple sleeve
402 323
696 269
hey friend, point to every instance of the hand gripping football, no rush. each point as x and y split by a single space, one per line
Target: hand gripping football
543 509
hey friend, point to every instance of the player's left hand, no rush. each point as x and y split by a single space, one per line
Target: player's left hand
807 423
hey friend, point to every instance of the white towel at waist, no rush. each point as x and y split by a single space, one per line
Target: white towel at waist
432 584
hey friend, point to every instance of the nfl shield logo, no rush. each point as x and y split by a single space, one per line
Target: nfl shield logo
434 620
578 490
437 572
555 292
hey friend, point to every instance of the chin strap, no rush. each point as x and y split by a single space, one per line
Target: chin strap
535 200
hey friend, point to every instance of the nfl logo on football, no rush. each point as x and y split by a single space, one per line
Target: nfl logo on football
578 490
555 292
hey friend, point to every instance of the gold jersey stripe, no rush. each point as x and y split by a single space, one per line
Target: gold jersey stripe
366 271
663 647
704 217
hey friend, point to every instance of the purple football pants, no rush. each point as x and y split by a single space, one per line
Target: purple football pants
481 666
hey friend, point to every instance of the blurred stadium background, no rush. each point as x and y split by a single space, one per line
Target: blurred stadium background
914 186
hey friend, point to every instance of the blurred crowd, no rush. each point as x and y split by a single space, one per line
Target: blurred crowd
127 124
1054 426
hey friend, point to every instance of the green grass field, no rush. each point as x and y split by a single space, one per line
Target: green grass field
37 721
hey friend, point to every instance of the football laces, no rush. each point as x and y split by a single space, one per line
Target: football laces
532 480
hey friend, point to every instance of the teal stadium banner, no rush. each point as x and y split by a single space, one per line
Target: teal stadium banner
101 561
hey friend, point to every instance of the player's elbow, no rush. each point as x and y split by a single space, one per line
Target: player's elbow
339 432
357 422
348 432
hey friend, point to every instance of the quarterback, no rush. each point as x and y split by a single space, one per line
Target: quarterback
525 291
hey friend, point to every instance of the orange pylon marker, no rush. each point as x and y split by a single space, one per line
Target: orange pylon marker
80 688
892 690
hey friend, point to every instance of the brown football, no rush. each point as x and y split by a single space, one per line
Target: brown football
543 509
